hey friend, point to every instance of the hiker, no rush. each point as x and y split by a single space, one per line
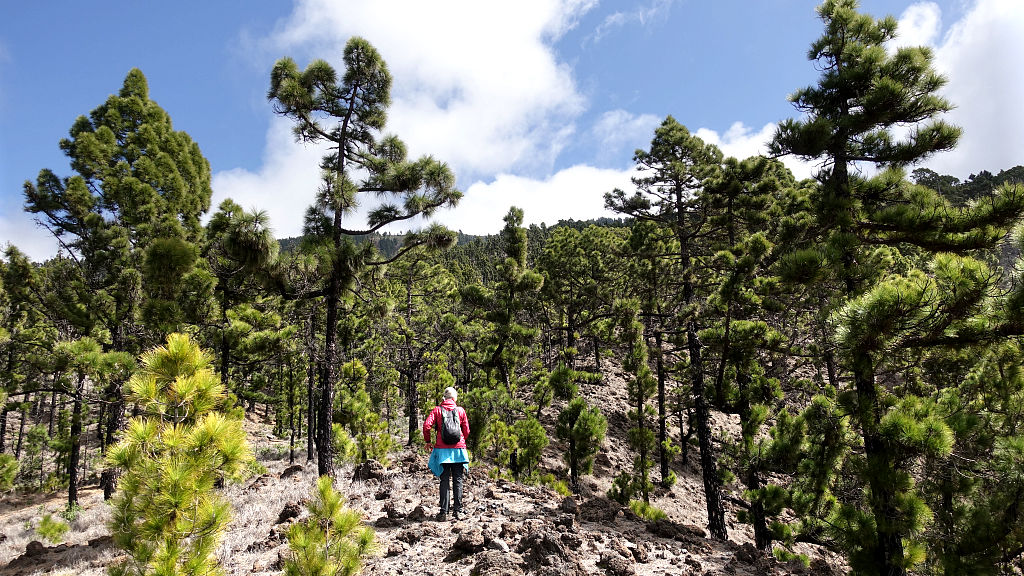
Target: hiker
448 455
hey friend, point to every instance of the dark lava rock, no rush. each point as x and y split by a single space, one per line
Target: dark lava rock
600 509
615 565
680 532
417 514
496 563
369 470
291 471
258 483
35 548
546 555
470 541
566 521
291 510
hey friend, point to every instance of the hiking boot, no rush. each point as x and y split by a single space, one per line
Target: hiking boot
456 516
441 516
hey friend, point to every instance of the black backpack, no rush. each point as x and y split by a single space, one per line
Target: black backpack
451 428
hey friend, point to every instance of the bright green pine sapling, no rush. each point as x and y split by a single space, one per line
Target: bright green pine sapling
639 388
167 515
52 530
332 541
8 463
360 417
531 440
583 427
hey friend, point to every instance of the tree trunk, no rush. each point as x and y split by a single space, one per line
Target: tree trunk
720 376
76 442
291 413
225 358
21 432
3 429
115 419
325 452
53 408
310 410
752 479
881 470
662 409
708 463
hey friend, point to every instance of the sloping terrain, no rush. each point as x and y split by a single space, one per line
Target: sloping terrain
509 528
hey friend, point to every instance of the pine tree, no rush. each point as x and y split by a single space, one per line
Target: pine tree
332 541
167 515
673 174
583 427
348 114
863 95
639 389
129 223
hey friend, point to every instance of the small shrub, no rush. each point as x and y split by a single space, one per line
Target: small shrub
8 472
167 515
560 486
784 555
70 512
255 468
622 489
51 530
332 540
647 511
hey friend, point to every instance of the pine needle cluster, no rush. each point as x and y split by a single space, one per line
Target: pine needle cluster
167 515
332 541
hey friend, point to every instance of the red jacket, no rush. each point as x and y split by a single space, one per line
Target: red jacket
435 418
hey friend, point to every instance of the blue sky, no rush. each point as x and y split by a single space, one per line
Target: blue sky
539 104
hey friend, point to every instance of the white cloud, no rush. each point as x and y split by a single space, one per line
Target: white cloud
740 141
576 192
18 228
284 186
619 129
919 25
979 55
477 84
642 15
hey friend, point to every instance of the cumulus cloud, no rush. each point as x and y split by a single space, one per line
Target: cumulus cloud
477 84
620 130
979 54
19 229
284 186
919 25
576 192
741 141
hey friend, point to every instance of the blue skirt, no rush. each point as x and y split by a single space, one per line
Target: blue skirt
446 456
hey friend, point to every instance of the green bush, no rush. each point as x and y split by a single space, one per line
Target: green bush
560 486
647 511
332 541
8 472
167 515
622 489
51 530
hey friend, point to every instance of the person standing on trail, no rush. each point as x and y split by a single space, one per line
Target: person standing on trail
448 455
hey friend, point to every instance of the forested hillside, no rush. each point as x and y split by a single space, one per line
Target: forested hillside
824 370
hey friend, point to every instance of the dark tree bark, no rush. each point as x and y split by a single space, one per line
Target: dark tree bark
76 442
662 408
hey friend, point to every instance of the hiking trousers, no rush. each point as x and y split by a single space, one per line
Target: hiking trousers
454 472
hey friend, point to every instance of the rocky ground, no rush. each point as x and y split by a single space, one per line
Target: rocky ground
508 529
